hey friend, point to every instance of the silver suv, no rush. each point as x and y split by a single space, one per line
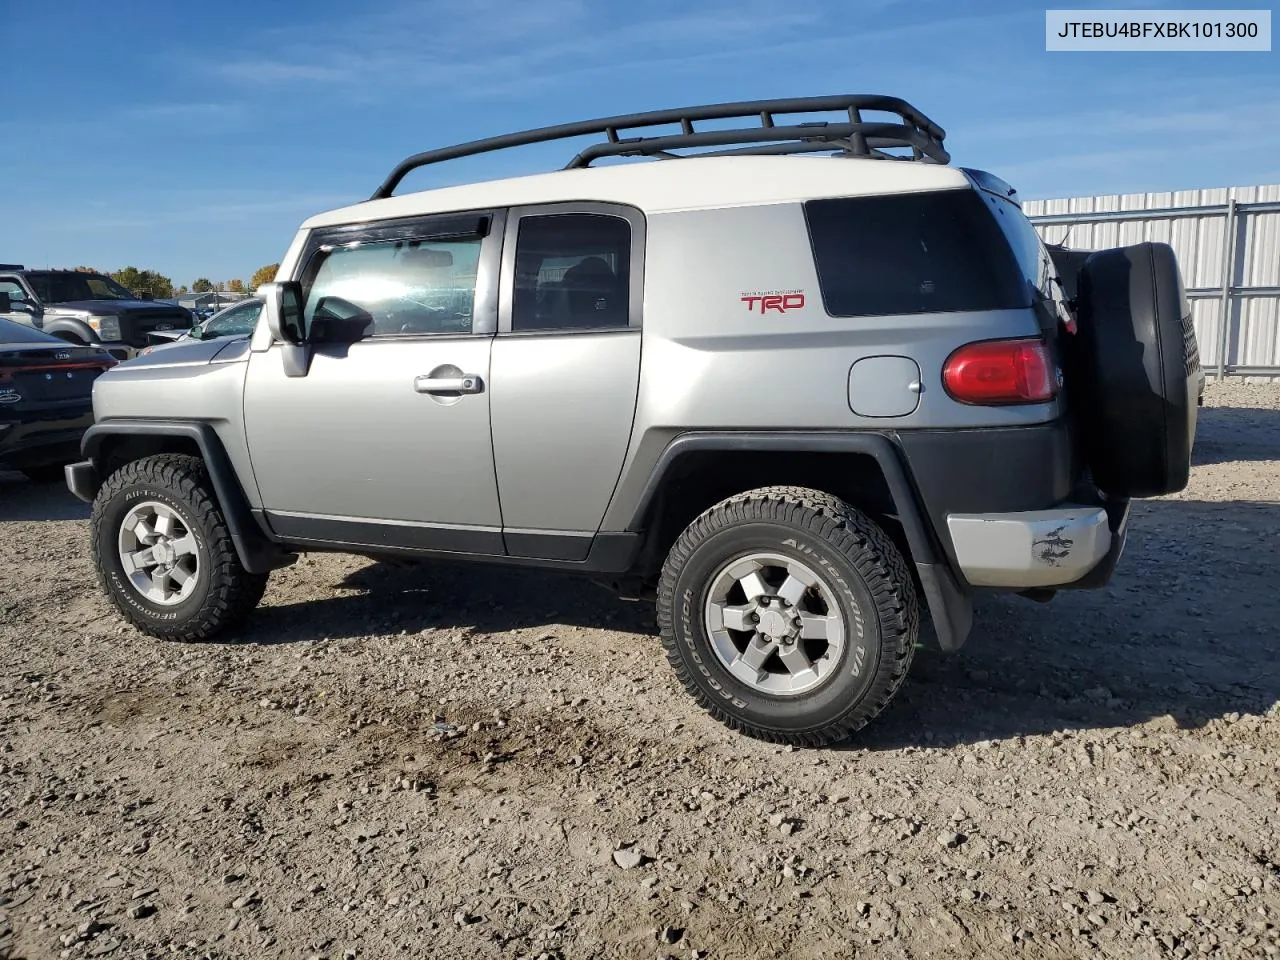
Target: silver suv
792 399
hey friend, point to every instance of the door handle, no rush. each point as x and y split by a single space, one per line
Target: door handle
464 383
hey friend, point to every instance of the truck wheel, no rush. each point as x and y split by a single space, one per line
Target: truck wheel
788 615
163 552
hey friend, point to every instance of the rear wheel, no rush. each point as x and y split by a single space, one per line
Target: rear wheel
788 615
164 554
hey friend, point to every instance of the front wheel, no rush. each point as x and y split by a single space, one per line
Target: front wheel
164 554
788 615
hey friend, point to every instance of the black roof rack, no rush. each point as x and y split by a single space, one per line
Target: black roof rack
854 137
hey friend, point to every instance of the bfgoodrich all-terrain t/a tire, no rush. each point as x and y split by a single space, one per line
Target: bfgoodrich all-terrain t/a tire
164 554
788 615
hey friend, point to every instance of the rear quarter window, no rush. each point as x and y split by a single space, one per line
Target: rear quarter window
935 252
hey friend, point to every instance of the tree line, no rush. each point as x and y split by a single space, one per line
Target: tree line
158 286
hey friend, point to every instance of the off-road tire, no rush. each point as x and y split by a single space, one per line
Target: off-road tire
858 561
225 594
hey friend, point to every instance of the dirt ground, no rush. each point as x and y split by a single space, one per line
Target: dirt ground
469 762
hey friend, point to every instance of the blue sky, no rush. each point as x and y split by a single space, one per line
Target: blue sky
192 138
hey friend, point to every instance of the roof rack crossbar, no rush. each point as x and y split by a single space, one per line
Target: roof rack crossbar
875 149
915 130
854 139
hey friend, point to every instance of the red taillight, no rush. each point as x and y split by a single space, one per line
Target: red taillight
1001 371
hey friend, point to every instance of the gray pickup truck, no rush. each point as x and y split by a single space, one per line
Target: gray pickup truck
794 400
85 308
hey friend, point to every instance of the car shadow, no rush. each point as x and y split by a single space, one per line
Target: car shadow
1236 435
1185 631
24 501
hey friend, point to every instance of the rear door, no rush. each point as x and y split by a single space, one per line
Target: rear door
565 371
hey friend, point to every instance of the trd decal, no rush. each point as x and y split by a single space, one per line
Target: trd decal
774 301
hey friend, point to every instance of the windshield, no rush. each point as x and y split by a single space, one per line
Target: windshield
66 287
237 321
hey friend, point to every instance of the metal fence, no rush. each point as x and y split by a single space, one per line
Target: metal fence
1228 245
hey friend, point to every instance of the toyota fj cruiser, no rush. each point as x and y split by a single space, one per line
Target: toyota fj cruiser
793 399
84 308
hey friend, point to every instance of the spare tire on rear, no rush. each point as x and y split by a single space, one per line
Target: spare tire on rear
1132 370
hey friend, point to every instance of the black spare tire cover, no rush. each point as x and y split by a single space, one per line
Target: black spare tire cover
1132 370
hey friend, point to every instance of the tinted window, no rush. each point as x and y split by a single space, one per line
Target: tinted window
1032 256
11 332
397 286
572 271
74 285
912 253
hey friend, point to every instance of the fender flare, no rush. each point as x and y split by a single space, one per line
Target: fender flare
55 325
950 605
256 548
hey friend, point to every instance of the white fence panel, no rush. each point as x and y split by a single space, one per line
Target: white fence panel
1223 230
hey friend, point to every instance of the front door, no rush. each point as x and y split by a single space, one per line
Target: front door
385 441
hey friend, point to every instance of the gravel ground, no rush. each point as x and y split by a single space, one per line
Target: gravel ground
471 762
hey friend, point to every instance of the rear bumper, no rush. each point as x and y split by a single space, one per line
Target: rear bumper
1071 544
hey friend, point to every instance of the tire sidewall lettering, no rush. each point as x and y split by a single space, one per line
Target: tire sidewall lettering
857 639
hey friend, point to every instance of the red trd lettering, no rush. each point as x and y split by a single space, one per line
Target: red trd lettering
778 302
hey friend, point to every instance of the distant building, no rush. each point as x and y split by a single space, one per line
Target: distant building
214 300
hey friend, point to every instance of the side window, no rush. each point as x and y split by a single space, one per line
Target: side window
14 290
930 252
572 272
395 287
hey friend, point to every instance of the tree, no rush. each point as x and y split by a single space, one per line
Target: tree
182 289
235 286
87 270
263 275
203 285
141 282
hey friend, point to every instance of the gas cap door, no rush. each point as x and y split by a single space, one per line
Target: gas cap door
884 387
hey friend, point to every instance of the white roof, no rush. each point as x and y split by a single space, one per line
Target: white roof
658 186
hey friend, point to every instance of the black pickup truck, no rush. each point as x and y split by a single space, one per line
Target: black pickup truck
85 308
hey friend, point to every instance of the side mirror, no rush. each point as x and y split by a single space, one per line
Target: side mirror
196 332
282 304
147 296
